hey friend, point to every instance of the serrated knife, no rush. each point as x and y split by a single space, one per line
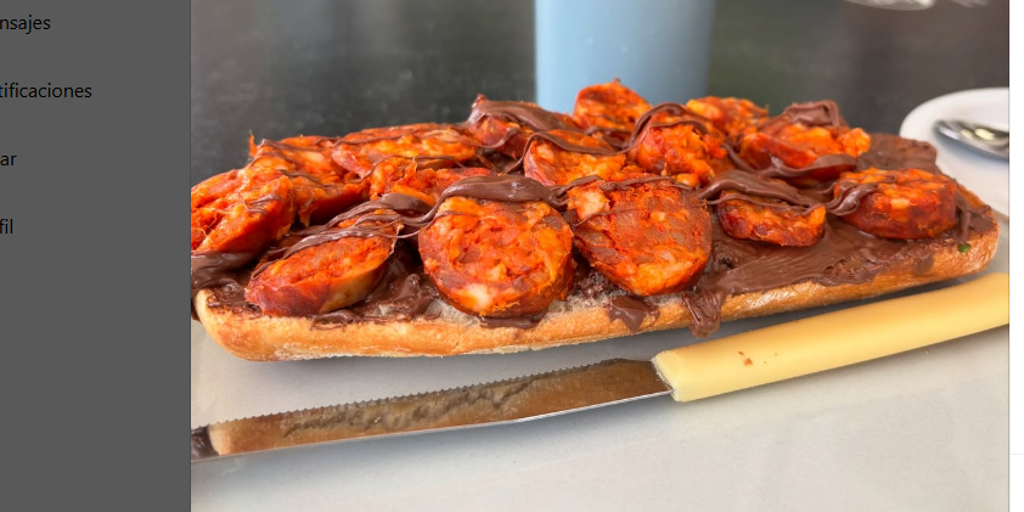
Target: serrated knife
772 354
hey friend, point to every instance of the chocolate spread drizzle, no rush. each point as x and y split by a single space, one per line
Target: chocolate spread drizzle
631 310
525 114
403 293
215 270
845 255
543 122
682 115
519 322
894 152
815 113
211 269
849 194
507 188
972 217
750 184
778 169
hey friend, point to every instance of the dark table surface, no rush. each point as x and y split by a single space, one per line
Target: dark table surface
329 67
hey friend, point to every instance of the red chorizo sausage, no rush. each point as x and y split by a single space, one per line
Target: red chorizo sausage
322 188
680 145
498 259
552 164
648 237
770 220
799 140
609 110
732 116
405 176
241 211
330 275
506 126
358 152
907 204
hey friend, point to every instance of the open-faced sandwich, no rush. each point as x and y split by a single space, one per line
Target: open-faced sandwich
523 229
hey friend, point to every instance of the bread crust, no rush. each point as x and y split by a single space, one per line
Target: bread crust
264 338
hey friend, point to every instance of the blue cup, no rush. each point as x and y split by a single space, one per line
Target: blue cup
658 48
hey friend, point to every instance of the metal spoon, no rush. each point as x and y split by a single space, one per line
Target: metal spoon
989 140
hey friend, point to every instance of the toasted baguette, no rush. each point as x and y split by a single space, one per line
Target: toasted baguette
577 320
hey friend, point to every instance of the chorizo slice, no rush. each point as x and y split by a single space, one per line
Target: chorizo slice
498 259
406 177
649 237
770 220
505 137
732 116
907 204
609 110
328 270
680 145
358 152
802 135
579 155
241 211
322 188
506 126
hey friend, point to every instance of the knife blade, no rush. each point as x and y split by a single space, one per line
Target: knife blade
693 372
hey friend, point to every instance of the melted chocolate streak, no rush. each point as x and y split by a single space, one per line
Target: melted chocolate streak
542 122
631 310
215 270
847 193
780 170
538 119
845 255
403 293
815 113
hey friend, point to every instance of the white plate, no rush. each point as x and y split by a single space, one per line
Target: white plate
925 430
989 177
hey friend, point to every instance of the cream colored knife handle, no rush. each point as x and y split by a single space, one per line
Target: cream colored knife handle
835 339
